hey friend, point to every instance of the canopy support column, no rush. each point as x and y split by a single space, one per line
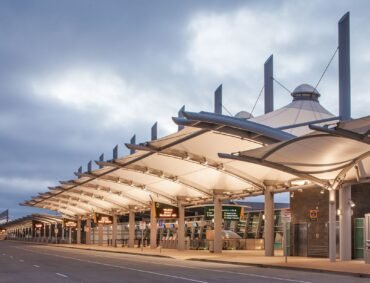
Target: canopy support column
217 245
69 235
100 234
181 228
114 231
49 238
131 229
269 221
78 230
332 226
56 231
153 227
88 230
63 231
345 230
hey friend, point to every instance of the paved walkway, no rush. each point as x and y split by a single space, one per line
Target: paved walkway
354 267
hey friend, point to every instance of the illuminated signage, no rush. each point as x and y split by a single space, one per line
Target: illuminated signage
70 223
163 210
228 212
104 219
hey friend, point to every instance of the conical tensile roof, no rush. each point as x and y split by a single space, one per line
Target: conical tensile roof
305 107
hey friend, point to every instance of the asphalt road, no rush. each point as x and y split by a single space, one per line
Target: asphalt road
21 262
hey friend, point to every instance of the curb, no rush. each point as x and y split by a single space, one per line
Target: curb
261 265
116 252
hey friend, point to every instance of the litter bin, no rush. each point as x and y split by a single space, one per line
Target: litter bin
367 252
211 246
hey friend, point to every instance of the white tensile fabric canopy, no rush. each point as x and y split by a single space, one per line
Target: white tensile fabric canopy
332 155
186 165
182 165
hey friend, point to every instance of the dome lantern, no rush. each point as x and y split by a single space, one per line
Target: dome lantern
305 92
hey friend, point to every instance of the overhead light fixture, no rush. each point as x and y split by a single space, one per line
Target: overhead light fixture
298 182
221 167
292 195
322 191
351 203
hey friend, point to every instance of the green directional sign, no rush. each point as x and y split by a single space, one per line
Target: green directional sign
228 212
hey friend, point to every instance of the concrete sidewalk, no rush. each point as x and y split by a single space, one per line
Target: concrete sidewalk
254 258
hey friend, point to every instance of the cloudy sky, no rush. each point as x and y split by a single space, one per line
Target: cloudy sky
79 77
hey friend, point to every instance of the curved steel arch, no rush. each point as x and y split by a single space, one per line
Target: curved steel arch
55 207
164 175
134 184
99 203
59 209
75 203
118 181
74 208
106 195
277 166
340 177
203 161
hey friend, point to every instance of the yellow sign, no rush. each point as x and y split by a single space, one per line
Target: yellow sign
314 214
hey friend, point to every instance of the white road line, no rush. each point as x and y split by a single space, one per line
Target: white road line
175 265
220 271
11 257
121 267
4 254
61 275
21 260
36 265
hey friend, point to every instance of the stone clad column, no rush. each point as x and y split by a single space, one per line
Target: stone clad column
49 238
332 226
153 227
114 230
88 230
63 231
100 234
131 229
269 221
78 230
69 235
217 244
56 232
345 230
181 227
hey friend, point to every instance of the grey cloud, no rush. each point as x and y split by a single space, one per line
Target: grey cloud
144 42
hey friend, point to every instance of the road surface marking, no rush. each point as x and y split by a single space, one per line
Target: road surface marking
4 254
11 257
36 265
219 271
21 260
120 267
177 277
61 275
